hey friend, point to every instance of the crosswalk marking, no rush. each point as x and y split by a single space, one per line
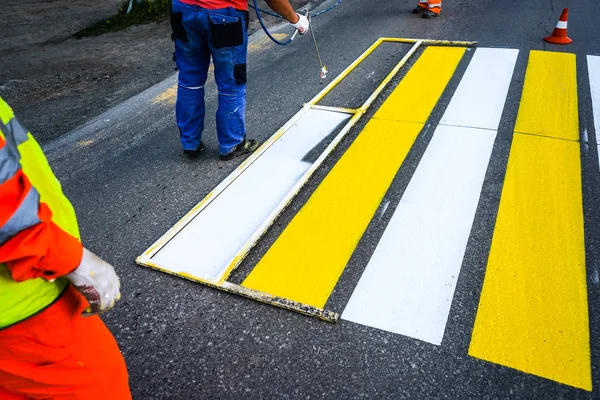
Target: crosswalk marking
479 99
594 75
306 261
420 90
533 313
549 105
409 282
208 244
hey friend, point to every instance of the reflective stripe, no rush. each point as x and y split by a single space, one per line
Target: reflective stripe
562 25
436 5
14 133
9 165
192 87
423 1
9 137
25 217
18 131
9 154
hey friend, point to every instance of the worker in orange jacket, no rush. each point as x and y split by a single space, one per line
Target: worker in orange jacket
52 343
429 8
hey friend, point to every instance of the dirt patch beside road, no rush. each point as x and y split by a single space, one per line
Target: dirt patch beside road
55 82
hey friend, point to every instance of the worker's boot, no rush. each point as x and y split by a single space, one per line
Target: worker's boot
194 153
246 147
419 10
428 14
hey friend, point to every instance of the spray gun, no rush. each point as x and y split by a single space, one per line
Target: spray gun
323 73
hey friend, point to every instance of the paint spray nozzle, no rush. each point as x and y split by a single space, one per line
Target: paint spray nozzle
324 72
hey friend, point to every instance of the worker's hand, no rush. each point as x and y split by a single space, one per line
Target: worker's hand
97 281
302 25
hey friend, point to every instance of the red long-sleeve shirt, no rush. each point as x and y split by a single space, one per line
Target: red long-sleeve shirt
214 4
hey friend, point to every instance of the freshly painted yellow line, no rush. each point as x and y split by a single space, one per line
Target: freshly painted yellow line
533 312
421 88
306 261
549 102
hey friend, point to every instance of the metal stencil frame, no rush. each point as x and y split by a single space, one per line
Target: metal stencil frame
221 283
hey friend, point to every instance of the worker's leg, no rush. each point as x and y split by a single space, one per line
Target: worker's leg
229 46
60 355
193 58
421 7
435 6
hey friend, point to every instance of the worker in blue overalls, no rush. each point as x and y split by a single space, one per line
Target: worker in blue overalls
217 28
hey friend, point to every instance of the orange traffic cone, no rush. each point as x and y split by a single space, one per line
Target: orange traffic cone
559 36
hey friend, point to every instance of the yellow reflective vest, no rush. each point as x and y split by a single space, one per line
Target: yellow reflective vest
39 236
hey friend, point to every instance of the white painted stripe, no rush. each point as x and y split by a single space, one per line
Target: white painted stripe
206 246
479 99
594 74
562 24
409 283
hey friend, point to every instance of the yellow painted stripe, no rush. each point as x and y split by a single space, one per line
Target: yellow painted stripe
306 261
549 102
533 312
422 86
264 42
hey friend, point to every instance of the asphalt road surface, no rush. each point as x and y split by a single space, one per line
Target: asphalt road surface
129 183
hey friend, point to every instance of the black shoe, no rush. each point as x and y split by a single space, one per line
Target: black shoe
428 14
246 147
419 10
194 153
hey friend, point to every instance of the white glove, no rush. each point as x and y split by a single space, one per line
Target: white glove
97 281
302 25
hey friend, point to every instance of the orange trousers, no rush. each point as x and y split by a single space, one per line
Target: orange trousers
433 5
60 355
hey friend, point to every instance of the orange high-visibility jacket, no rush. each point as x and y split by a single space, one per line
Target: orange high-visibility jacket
39 236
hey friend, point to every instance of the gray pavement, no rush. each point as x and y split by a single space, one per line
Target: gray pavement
129 182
